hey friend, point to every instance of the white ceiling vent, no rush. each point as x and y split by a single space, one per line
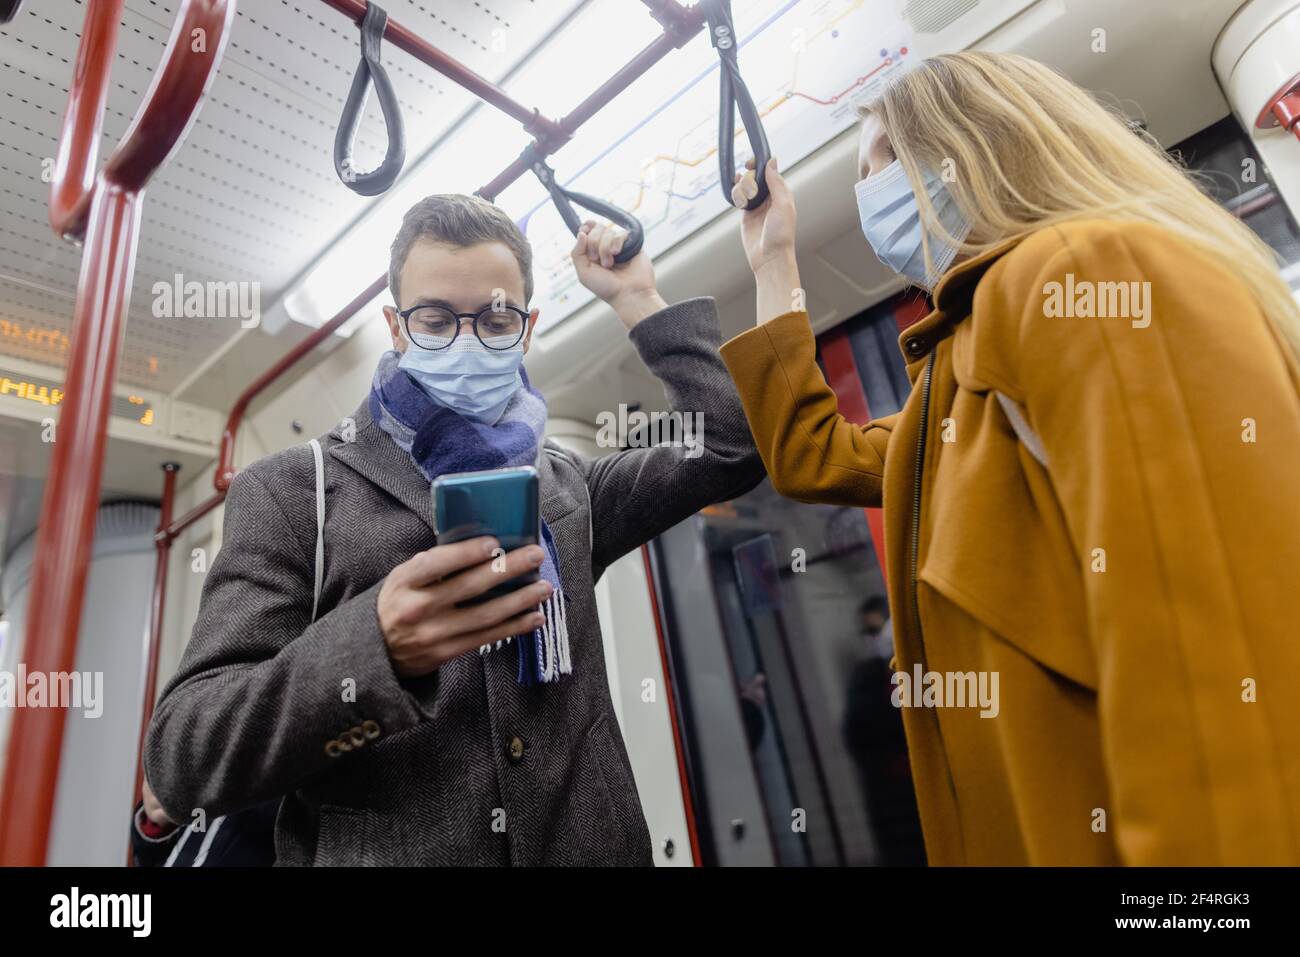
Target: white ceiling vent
934 16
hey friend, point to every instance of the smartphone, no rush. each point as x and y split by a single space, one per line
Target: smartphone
498 502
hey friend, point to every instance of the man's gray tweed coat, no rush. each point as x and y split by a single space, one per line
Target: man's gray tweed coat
462 766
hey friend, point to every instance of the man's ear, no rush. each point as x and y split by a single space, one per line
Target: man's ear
532 321
395 328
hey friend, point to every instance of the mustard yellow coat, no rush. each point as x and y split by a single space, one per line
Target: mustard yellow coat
1127 561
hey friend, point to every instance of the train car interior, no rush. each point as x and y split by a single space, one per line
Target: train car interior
200 199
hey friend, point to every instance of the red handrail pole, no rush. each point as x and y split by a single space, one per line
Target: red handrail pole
105 210
680 24
1287 111
74 163
67 529
453 69
679 27
685 25
193 515
225 473
162 551
170 106
1282 108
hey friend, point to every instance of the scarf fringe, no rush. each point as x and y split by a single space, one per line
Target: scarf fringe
566 663
545 654
496 646
440 441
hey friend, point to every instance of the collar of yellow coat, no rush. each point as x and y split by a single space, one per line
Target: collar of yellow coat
952 302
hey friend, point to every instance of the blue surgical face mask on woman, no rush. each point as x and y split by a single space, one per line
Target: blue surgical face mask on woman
467 377
891 221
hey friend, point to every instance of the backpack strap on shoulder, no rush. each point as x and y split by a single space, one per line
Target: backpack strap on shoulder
320 525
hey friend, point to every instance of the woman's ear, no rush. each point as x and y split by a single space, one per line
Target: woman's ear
875 151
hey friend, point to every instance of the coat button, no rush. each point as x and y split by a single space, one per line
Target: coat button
915 346
370 729
515 749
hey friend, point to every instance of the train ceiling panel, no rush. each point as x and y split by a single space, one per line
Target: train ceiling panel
251 197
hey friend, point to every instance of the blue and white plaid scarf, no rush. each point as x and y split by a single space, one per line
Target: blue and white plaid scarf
441 442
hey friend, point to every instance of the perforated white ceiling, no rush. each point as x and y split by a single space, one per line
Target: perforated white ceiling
252 195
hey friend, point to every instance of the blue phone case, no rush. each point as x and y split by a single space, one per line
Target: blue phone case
498 502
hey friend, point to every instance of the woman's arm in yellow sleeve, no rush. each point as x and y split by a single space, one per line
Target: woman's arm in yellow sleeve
812 453
1172 439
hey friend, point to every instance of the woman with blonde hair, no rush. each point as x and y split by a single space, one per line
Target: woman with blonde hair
1091 495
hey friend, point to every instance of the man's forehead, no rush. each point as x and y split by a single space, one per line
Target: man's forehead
474 271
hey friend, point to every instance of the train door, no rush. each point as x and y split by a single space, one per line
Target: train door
778 634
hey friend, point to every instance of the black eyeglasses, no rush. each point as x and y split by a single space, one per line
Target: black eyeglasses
435 327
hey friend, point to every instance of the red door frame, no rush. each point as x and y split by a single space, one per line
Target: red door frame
846 382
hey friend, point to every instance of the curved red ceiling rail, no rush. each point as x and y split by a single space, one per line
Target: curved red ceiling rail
169 108
1282 108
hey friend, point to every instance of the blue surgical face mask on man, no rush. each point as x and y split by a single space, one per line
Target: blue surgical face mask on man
467 377
891 221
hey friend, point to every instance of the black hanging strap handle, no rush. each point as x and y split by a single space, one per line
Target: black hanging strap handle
9 9
734 95
564 200
382 176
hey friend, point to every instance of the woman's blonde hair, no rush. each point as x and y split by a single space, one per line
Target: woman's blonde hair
1031 149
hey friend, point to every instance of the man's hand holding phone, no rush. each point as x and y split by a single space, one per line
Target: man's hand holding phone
418 613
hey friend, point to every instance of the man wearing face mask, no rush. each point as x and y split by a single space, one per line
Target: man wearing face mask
401 725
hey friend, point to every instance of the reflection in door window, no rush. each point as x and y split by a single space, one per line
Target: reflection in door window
779 638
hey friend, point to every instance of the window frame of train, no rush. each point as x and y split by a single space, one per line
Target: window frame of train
750 587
